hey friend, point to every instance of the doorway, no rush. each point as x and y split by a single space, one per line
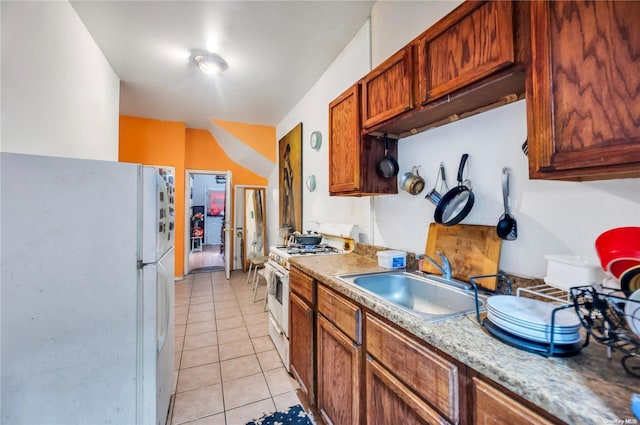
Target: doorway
207 211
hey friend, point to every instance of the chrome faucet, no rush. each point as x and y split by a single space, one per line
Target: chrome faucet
445 269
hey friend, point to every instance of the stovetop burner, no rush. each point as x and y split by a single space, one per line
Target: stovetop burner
297 249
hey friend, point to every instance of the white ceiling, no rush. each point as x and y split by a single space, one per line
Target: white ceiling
276 50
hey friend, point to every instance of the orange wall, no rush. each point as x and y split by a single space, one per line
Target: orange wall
204 153
260 138
154 142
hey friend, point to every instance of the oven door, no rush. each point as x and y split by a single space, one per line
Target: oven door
278 297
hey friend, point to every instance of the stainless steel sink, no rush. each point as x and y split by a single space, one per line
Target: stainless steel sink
431 297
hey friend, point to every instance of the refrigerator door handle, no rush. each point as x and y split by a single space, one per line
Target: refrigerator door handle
162 339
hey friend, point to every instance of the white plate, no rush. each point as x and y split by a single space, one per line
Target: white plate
545 328
535 335
532 312
632 312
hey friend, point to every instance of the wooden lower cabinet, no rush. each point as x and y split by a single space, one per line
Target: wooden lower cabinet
492 406
301 319
389 402
358 368
338 375
420 369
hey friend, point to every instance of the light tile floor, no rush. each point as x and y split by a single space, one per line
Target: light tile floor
227 369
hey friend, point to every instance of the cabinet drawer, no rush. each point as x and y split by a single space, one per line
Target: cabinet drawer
302 285
344 314
425 372
388 400
493 406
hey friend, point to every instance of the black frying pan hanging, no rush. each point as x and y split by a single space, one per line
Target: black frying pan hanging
388 166
456 204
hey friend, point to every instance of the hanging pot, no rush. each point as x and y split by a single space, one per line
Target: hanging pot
456 204
387 167
412 182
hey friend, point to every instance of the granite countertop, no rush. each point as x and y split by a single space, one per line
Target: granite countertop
586 388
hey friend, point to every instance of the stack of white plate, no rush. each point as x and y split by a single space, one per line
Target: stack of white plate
531 319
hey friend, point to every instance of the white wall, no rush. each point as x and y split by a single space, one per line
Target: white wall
313 112
396 23
60 96
553 217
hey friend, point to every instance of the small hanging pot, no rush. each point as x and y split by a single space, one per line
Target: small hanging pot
412 182
387 167
456 204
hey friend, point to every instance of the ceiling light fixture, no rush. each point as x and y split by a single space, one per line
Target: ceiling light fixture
210 63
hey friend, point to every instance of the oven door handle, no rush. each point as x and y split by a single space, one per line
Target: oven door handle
276 326
275 269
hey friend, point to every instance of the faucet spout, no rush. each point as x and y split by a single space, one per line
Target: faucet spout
445 268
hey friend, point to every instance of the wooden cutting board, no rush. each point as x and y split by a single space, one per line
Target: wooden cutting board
472 250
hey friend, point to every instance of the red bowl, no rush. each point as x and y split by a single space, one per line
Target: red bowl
622 243
630 279
619 266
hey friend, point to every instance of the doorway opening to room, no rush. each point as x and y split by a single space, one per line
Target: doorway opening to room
207 244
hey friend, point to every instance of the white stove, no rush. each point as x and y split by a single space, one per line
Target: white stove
336 239
280 255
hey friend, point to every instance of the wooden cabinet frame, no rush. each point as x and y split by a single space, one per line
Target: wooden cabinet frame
387 90
577 131
333 398
466 46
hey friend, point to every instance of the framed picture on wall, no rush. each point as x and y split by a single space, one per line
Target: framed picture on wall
215 203
290 179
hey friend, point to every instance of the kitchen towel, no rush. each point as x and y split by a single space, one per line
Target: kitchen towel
270 277
294 415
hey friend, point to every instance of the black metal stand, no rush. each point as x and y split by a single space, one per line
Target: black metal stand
605 319
548 350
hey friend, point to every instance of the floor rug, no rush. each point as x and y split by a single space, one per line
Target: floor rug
207 269
295 415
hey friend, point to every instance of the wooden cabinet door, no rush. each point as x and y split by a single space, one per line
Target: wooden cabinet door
345 142
389 402
583 91
387 90
492 406
469 44
420 369
301 344
339 370
353 157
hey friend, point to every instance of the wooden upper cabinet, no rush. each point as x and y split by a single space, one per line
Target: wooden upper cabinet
474 41
345 142
353 158
583 91
386 90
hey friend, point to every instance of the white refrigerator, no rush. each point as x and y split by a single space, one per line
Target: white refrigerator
87 291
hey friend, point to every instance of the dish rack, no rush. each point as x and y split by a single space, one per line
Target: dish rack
604 318
559 298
